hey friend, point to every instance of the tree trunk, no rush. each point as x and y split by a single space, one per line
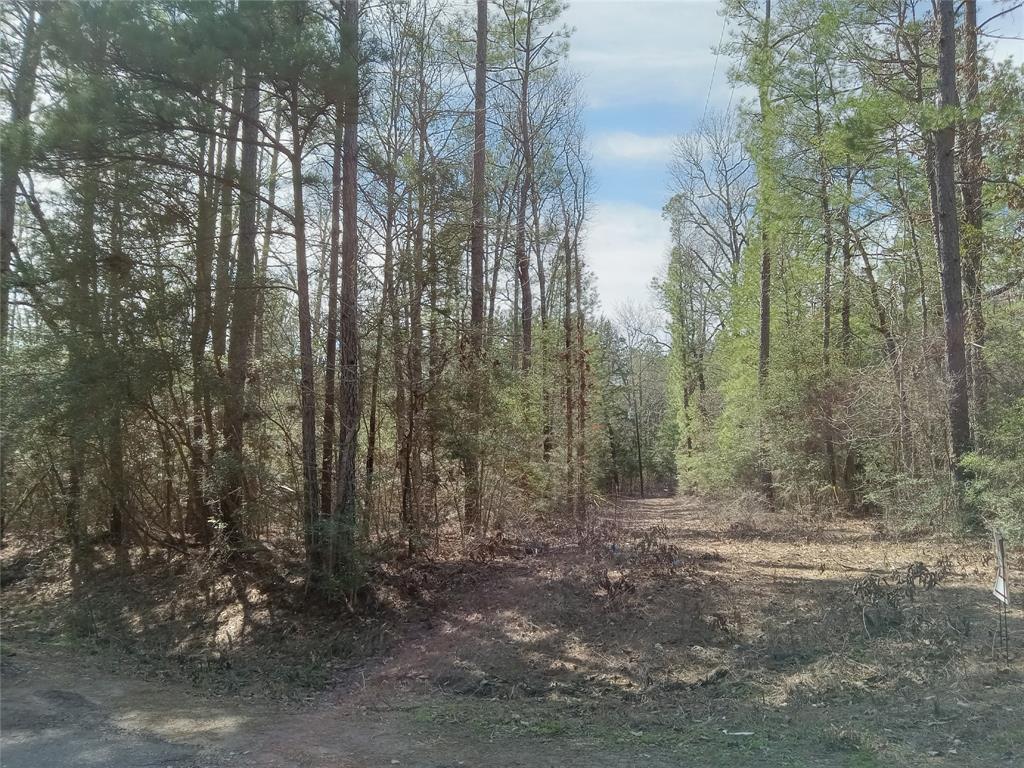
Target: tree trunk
198 517
117 267
395 315
570 492
764 341
343 524
307 390
372 426
948 238
845 331
263 443
522 256
15 155
22 95
581 376
471 462
328 436
222 284
500 229
970 189
828 246
242 315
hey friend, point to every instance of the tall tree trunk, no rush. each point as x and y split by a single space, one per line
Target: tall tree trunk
547 439
522 256
16 151
500 230
845 331
970 189
263 442
343 528
471 462
391 280
206 235
264 265
328 436
372 427
412 450
15 156
581 377
828 246
568 365
222 283
307 389
516 323
948 237
117 267
243 313
764 341
410 374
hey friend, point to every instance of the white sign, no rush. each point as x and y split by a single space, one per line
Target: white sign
999 589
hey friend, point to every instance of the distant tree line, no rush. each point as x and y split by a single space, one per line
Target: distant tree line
845 282
303 271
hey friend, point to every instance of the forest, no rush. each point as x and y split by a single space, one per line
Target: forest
860 346
306 369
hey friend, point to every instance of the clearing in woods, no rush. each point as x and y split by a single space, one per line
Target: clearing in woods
680 635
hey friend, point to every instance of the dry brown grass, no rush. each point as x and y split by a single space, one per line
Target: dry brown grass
692 617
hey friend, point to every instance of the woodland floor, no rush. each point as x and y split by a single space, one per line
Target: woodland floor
684 634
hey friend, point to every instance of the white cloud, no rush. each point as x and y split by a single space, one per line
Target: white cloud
647 52
626 146
626 245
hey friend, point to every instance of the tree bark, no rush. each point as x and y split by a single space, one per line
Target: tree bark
198 516
471 463
259 342
764 340
328 436
307 391
828 245
970 189
343 527
15 157
242 315
581 376
570 472
845 331
222 283
948 238
522 256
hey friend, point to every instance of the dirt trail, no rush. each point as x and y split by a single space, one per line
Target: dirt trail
682 637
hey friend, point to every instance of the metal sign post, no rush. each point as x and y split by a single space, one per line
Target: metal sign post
1001 591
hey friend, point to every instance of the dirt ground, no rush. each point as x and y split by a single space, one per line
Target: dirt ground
682 633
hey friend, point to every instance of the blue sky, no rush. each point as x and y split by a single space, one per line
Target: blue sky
647 67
